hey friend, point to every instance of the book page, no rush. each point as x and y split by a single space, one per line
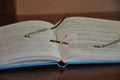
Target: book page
82 34
14 46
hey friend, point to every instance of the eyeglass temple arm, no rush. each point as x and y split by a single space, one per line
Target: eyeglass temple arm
100 46
28 35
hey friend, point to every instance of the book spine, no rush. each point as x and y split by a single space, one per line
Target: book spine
61 64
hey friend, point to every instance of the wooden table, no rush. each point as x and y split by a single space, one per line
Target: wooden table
73 72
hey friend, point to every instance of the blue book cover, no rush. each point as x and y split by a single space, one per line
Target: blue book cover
58 64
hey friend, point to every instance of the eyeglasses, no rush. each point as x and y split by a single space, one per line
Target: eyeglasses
68 43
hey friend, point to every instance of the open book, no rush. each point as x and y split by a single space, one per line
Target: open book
77 40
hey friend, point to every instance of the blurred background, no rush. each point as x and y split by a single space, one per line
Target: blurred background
52 10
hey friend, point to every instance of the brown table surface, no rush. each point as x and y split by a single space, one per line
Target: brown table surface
73 72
